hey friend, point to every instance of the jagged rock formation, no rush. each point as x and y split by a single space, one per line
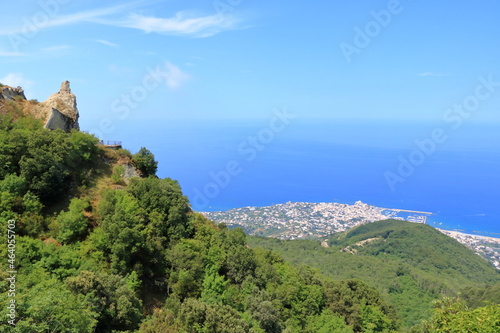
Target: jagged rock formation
60 110
9 93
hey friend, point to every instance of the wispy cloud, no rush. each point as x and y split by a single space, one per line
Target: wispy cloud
56 48
432 74
174 76
105 42
63 20
182 24
12 54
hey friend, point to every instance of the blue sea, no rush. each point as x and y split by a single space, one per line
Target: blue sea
222 164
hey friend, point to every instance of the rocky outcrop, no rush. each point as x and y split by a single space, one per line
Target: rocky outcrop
8 93
58 120
129 172
60 110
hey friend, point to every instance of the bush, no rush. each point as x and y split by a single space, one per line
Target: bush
453 315
73 224
111 297
83 147
121 152
145 161
116 177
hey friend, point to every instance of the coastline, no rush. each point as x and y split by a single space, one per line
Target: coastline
300 220
410 216
463 234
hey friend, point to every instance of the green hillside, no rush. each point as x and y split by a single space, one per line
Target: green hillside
422 247
88 247
412 264
94 251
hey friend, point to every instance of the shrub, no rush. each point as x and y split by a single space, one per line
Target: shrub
123 153
145 161
116 177
73 224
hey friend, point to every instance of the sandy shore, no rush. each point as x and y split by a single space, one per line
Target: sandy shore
461 234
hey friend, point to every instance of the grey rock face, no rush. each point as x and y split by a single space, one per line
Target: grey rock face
60 110
9 93
129 172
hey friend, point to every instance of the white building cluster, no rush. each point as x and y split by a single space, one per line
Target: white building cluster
294 220
297 220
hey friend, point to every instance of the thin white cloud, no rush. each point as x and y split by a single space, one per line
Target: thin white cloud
86 16
174 76
182 24
56 48
105 42
17 79
432 74
62 20
12 54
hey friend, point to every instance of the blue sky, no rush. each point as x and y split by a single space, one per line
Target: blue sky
240 59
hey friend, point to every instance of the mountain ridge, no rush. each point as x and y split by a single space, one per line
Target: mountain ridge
393 263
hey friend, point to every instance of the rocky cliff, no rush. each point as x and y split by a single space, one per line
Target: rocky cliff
8 93
59 111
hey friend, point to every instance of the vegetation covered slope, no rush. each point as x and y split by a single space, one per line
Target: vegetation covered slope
412 264
97 253
422 246
94 253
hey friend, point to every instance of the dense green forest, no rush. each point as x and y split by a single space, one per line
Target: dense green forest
411 264
95 252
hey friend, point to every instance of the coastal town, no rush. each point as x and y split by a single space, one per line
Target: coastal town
299 220
295 220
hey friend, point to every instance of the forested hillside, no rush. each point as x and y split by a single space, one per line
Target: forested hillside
98 251
410 264
95 252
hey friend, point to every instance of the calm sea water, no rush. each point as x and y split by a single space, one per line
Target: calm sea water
229 164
